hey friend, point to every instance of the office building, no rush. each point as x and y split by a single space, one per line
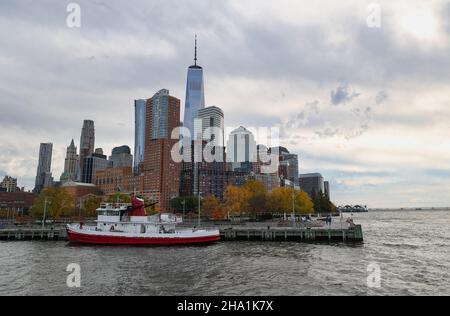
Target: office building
161 173
312 183
44 176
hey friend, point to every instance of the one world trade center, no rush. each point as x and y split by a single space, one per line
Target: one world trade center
195 94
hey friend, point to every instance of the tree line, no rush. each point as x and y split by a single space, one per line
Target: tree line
250 200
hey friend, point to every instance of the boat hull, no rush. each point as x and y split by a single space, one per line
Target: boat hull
78 236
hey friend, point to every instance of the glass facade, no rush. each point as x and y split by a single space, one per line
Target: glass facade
195 96
140 110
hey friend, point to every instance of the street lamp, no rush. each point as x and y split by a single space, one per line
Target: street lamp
184 206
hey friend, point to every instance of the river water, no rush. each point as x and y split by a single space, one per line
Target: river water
411 249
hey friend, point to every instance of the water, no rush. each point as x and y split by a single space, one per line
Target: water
411 248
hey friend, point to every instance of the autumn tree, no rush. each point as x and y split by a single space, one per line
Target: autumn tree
280 200
59 203
257 201
236 200
210 205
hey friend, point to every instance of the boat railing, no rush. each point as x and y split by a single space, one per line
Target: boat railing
113 206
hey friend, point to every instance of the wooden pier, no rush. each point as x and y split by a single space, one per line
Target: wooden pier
33 234
348 234
228 233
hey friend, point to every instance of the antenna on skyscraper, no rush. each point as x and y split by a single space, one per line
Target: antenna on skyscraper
195 57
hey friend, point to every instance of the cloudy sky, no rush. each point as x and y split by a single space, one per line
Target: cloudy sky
366 106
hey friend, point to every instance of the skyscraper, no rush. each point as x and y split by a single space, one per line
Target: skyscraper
211 117
327 189
312 183
71 164
241 149
140 113
93 163
161 173
195 93
121 157
87 143
44 175
288 165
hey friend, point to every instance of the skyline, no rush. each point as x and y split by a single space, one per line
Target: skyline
367 103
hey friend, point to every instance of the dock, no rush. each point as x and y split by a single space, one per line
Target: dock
243 232
351 234
50 234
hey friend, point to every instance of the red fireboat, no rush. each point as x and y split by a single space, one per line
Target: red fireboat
128 224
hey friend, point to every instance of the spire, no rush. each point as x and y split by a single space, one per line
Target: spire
72 144
195 57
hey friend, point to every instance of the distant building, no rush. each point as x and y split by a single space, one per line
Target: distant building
121 157
80 190
71 164
241 150
288 165
208 178
87 143
9 184
195 94
91 165
18 202
44 176
212 126
327 189
120 179
140 114
161 173
312 183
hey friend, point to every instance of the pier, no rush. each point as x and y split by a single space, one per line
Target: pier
243 232
350 234
33 234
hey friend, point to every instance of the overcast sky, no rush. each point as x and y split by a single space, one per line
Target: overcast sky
368 107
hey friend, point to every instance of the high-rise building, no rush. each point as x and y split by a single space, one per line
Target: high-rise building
87 143
288 165
140 113
71 164
161 172
327 189
195 94
312 183
44 176
212 126
9 184
121 157
97 161
241 149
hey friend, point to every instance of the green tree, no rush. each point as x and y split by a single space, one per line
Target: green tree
59 203
323 205
91 205
191 204
119 197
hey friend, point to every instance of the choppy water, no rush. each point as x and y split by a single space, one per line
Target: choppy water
411 248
